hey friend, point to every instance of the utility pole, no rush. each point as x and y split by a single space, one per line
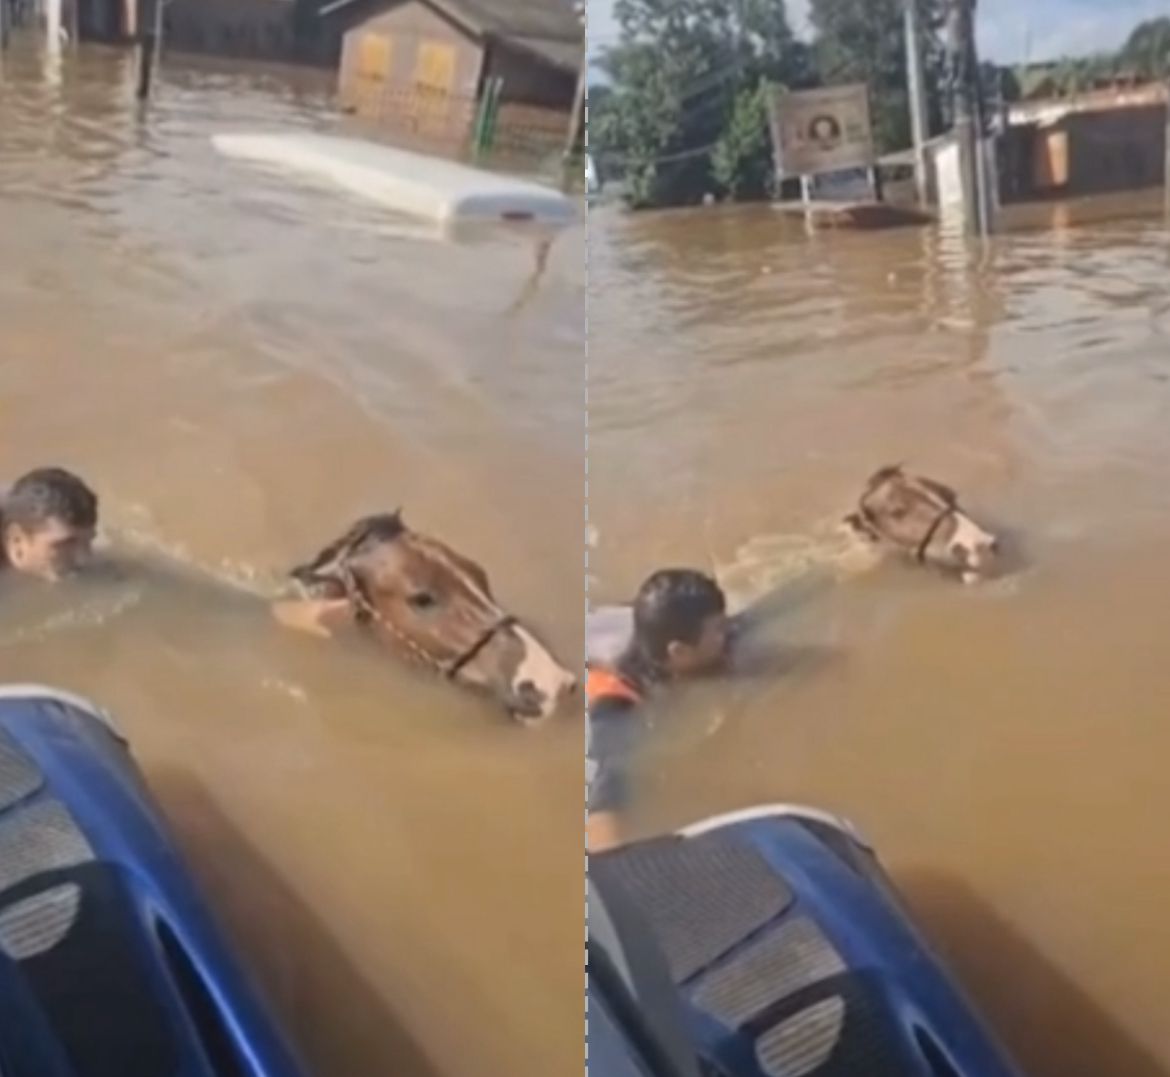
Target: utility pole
917 87
575 118
149 44
1166 158
578 110
53 27
968 114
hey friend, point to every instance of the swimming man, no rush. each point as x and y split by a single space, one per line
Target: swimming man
680 629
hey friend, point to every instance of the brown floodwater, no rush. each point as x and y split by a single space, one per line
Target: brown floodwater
242 365
1005 746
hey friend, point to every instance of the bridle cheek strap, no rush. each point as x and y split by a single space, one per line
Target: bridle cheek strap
450 670
467 657
932 531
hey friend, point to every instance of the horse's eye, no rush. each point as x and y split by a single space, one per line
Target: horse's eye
421 600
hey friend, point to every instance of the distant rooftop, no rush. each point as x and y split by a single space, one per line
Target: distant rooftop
540 20
1051 109
551 30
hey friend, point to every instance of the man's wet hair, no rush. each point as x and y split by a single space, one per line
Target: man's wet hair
672 606
49 493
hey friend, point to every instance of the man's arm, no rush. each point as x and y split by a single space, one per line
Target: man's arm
608 782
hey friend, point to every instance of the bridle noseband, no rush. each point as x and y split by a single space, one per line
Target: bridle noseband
453 669
367 611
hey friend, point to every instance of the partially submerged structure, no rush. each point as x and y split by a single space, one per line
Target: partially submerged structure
282 31
1100 142
427 66
1108 140
407 63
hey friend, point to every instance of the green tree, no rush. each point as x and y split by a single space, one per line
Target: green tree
678 75
1147 52
650 129
742 161
999 84
863 41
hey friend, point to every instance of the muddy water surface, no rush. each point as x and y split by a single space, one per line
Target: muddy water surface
1005 747
242 365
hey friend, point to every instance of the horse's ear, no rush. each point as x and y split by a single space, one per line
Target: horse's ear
885 474
331 562
328 564
857 524
325 566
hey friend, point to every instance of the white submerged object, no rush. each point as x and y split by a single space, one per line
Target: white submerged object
408 182
608 632
53 26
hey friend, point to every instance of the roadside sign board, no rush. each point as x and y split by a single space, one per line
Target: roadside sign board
825 130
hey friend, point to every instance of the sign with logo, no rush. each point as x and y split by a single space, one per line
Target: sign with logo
826 130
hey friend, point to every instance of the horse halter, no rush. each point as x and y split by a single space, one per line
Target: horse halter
924 545
931 531
451 669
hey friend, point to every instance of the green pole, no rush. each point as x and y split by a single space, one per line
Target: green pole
480 126
493 109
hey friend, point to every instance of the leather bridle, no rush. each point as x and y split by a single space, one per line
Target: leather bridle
924 545
451 670
931 532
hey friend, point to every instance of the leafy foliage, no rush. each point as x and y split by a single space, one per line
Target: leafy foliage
863 41
741 163
1147 52
1144 56
685 116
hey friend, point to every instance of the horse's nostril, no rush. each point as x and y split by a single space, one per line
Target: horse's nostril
527 693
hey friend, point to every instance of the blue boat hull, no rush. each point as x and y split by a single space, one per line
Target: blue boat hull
780 947
106 945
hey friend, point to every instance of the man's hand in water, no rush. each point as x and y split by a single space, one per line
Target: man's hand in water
602 831
317 616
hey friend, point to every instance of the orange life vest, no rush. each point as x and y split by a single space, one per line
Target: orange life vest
604 684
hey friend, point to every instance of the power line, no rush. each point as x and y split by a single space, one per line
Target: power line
666 158
686 116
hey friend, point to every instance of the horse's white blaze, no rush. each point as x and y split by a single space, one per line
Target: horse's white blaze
540 669
972 538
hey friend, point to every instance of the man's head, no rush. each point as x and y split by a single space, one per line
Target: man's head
680 621
47 523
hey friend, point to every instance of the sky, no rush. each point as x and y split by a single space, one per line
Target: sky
1009 31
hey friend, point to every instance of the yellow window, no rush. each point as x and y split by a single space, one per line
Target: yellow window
374 52
434 67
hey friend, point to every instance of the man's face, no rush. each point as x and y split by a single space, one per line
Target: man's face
49 552
706 654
